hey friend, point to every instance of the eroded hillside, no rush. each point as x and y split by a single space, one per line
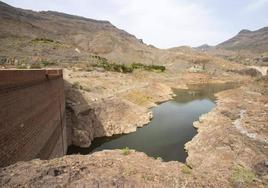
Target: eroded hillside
112 79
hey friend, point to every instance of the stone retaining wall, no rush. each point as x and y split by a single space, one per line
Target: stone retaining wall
32 115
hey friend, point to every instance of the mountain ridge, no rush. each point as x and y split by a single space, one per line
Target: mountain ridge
31 36
20 27
253 41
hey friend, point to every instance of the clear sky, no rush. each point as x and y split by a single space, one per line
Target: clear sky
166 23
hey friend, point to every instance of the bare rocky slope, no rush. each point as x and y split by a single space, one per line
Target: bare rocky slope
74 36
29 36
248 47
254 41
230 149
36 37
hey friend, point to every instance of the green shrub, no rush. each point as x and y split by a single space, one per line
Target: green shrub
43 40
21 66
103 63
76 85
125 151
185 169
137 65
48 63
35 66
113 67
157 68
159 158
242 175
87 89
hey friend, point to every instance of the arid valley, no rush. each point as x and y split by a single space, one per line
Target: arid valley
122 107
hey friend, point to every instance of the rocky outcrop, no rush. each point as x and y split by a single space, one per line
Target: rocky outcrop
104 118
251 71
105 103
101 169
262 69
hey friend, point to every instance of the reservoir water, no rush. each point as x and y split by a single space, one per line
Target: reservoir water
170 128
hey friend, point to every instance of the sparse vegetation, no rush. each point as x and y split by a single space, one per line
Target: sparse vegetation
159 158
156 68
125 151
87 89
42 40
103 63
47 41
76 85
47 63
242 175
35 66
186 169
21 66
138 97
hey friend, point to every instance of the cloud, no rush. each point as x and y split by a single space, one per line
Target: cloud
168 23
256 5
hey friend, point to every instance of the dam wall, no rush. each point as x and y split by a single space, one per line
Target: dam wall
32 115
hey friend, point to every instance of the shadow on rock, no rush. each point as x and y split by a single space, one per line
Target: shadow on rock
81 118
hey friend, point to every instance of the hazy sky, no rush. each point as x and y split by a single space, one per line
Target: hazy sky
166 23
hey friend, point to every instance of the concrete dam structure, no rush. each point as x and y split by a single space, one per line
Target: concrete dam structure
32 115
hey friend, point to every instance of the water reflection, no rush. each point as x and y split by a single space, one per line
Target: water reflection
169 130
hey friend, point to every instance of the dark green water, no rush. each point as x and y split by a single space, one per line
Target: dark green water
170 128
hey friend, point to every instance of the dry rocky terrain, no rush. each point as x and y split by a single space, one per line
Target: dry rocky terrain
97 101
247 47
230 149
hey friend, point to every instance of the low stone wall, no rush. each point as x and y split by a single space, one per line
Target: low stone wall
32 115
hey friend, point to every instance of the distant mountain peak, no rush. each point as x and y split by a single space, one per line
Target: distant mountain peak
244 31
203 47
253 41
4 4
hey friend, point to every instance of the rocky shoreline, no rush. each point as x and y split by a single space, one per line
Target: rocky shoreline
90 115
219 155
96 101
230 156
